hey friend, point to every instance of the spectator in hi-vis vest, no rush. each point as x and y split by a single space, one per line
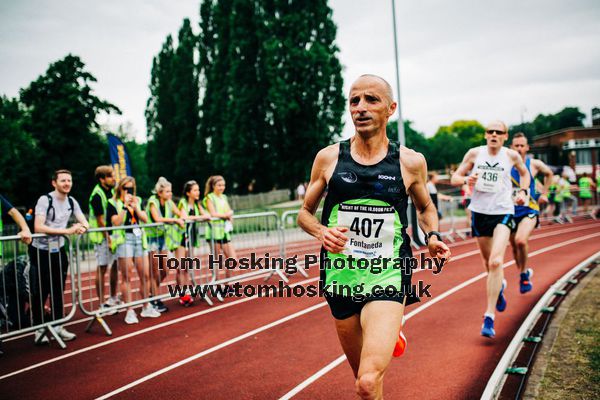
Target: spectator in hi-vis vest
161 208
219 231
97 204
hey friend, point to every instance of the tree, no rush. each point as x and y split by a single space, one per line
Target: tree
61 118
214 42
305 85
19 156
450 143
191 156
160 114
568 117
414 140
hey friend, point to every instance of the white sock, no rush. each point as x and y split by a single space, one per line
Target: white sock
487 314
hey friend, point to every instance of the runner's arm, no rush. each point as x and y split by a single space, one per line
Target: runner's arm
547 172
332 238
460 176
414 168
524 178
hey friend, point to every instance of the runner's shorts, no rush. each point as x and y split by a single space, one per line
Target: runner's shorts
522 217
343 307
484 224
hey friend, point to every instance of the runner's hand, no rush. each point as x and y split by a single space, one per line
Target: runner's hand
520 199
543 199
333 239
180 222
472 180
438 249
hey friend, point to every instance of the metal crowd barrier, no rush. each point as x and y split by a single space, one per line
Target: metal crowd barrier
35 288
257 233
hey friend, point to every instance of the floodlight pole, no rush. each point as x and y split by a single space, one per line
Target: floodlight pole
400 123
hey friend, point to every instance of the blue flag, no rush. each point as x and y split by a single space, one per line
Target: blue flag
118 157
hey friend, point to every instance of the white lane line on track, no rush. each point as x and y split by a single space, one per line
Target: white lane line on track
142 331
183 318
310 309
338 361
212 350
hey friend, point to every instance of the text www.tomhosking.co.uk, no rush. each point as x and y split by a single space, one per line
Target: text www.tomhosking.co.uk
290 265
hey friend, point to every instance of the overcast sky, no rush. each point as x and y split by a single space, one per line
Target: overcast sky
459 59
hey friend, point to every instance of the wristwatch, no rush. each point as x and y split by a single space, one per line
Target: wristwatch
432 233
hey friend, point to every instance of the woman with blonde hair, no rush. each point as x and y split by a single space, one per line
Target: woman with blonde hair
219 232
191 210
124 209
161 208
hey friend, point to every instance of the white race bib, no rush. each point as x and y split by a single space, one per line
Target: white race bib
489 179
370 230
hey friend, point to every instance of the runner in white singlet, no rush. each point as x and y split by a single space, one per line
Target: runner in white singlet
487 170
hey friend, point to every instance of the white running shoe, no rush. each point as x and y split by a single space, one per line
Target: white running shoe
113 301
149 312
131 317
38 334
65 334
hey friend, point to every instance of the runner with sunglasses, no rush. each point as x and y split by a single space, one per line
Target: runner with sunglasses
487 170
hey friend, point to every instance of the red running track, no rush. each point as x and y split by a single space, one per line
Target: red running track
264 348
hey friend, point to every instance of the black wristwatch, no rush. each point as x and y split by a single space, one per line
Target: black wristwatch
432 233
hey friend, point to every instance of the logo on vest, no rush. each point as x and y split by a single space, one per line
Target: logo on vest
348 177
387 177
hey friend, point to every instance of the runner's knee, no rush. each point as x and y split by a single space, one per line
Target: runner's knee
521 242
494 263
367 383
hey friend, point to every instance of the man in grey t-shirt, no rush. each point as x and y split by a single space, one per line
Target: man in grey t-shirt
49 261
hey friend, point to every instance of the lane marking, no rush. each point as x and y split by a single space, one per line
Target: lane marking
142 331
213 309
310 380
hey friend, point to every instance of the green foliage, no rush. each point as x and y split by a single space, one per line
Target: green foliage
450 143
19 154
172 112
304 85
272 97
414 140
60 116
568 117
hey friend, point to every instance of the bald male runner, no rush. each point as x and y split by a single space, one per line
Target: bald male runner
527 216
368 181
492 208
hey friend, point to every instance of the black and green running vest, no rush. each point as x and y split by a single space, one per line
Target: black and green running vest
371 201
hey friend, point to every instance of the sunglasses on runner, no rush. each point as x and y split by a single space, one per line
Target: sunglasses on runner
492 131
128 190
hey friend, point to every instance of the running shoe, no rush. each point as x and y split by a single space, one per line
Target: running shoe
501 303
149 312
487 329
525 284
131 317
160 306
401 344
186 300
